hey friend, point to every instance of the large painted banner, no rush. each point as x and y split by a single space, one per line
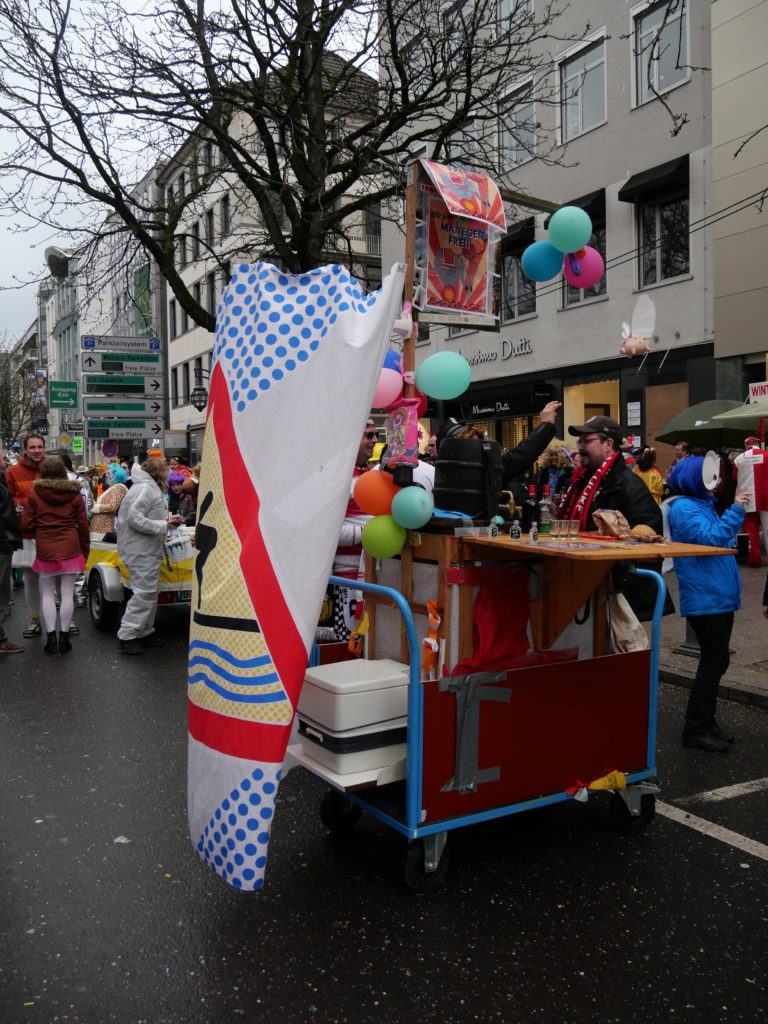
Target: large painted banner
297 359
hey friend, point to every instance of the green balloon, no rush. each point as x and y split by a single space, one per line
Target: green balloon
383 537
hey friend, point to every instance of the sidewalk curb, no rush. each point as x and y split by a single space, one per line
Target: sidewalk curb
727 692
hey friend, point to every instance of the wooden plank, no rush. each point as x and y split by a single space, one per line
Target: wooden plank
565 588
600 620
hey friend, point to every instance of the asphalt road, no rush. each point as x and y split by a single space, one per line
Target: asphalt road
546 916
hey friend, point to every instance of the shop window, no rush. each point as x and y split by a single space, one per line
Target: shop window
517 128
518 293
664 241
661 49
516 429
582 91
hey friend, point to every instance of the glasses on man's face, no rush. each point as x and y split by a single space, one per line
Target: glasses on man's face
371 435
583 441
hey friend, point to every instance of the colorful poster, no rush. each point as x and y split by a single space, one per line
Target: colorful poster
297 359
462 217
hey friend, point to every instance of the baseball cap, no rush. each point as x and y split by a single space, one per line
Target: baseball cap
600 425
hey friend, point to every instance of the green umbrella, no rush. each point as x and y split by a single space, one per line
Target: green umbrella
745 419
697 425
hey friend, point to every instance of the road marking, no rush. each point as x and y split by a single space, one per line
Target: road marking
708 828
728 792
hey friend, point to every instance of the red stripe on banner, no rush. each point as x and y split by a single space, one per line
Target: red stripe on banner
236 737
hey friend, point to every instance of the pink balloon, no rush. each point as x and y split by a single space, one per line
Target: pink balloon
592 269
389 388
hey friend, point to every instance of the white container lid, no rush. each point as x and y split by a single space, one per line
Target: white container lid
358 675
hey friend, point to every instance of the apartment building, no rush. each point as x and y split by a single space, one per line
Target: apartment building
649 194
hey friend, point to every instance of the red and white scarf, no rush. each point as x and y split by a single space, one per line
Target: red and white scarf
576 504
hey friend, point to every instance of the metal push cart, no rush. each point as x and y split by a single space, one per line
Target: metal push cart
443 790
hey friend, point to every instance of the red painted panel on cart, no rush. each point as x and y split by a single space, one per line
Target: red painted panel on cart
562 723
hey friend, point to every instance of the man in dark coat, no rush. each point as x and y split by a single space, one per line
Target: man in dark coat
605 482
10 539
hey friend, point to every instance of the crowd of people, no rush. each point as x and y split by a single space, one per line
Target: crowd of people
50 514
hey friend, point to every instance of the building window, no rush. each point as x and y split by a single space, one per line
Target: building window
174 386
172 326
458 30
661 48
225 214
181 251
595 207
209 228
513 11
226 270
663 239
170 195
517 128
460 146
184 321
196 240
372 230
518 293
185 392
181 181
582 91
210 293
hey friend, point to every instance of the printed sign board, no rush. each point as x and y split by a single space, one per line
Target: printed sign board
113 343
122 407
62 394
121 384
124 430
122 362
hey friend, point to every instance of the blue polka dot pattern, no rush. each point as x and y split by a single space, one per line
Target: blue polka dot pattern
290 315
234 842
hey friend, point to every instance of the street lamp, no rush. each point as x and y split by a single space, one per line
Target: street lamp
199 396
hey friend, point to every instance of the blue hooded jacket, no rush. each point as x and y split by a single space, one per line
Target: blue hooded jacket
708 585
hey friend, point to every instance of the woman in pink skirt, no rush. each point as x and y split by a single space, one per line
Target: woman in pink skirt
56 514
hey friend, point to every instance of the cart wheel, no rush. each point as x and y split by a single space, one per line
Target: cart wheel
622 820
337 813
416 877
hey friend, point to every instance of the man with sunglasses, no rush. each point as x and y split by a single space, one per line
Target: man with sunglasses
604 481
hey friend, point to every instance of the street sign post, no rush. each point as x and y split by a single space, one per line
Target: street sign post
150 363
125 430
62 394
121 384
114 343
122 407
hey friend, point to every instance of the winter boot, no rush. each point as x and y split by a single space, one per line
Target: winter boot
64 643
51 646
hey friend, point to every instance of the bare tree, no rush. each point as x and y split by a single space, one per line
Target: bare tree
312 108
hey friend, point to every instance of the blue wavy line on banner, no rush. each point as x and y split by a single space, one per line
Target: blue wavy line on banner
222 673
204 645
239 698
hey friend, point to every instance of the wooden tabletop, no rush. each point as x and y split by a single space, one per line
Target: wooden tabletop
586 549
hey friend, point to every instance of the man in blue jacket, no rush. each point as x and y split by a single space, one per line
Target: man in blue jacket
710 592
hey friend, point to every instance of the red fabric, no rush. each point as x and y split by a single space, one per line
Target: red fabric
752 530
55 516
761 484
19 480
499 617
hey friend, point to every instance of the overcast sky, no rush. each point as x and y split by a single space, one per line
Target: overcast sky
21 256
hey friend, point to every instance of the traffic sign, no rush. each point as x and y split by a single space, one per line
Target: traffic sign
121 384
62 394
113 343
77 445
109 448
122 362
125 430
124 407
64 439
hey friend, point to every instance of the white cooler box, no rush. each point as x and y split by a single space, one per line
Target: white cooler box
353 714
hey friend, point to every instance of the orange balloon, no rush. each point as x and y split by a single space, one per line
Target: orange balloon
374 492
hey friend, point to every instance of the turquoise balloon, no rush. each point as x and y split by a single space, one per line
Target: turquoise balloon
444 375
383 537
570 229
412 507
542 261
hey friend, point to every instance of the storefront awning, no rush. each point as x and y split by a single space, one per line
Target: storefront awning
656 181
592 203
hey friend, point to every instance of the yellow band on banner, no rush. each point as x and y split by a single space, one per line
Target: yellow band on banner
614 780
